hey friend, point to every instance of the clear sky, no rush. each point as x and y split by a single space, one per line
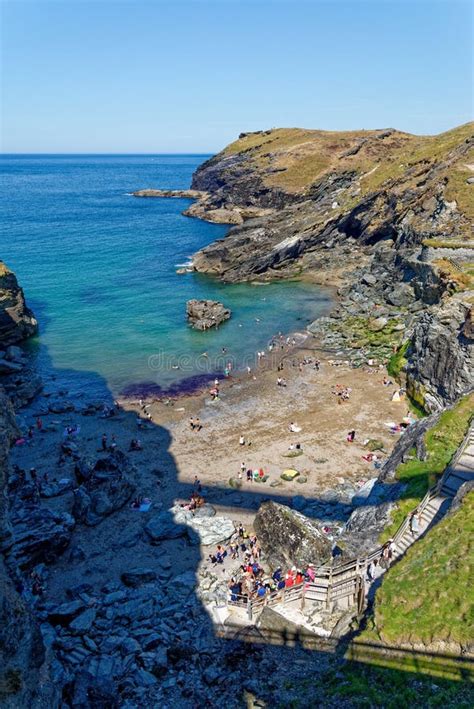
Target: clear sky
189 75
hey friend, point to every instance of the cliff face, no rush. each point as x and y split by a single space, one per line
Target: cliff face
22 653
440 364
386 216
16 319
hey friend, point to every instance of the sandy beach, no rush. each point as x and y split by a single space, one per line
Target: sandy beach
251 405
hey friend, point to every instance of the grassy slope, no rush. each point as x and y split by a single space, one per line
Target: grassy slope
428 595
302 156
441 442
369 687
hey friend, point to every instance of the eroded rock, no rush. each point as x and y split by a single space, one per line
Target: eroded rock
204 314
289 538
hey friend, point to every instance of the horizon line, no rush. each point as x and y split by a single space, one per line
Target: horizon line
6 154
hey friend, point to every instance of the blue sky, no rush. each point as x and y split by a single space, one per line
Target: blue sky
188 76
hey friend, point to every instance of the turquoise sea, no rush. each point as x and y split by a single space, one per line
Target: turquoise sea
98 268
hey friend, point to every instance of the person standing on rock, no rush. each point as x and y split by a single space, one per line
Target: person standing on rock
104 441
39 423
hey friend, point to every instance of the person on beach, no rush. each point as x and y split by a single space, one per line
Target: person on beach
241 440
351 436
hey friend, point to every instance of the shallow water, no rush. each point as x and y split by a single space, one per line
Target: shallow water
98 267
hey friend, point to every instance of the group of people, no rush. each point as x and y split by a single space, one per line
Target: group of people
255 585
195 424
342 392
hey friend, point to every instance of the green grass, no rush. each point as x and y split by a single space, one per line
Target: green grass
398 361
428 595
449 244
441 442
370 687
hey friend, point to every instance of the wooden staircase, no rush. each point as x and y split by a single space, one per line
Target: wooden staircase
347 583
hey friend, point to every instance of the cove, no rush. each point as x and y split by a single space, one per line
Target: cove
99 270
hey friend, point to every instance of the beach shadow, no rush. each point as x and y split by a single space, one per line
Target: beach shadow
145 640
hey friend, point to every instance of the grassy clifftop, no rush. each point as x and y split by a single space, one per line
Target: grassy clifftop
292 159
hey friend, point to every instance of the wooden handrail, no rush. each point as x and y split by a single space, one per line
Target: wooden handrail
328 577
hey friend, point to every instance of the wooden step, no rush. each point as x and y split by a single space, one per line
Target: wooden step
449 491
463 475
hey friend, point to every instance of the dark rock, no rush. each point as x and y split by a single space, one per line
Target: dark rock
77 553
412 438
401 295
138 576
16 319
289 538
204 314
162 526
88 691
83 623
79 591
465 489
65 612
441 355
110 487
7 367
40 535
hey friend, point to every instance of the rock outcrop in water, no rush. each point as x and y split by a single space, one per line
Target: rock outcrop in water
204 314
16 319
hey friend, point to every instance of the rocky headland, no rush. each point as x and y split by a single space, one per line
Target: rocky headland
385 216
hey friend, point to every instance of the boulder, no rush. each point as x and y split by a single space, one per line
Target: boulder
204 314
369 279
14 354
289 538
210 531
162 526
40 535
65 612
135 577
111 488
377 324
289 474
7 367
203 526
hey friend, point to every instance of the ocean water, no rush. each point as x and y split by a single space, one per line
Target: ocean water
98 267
